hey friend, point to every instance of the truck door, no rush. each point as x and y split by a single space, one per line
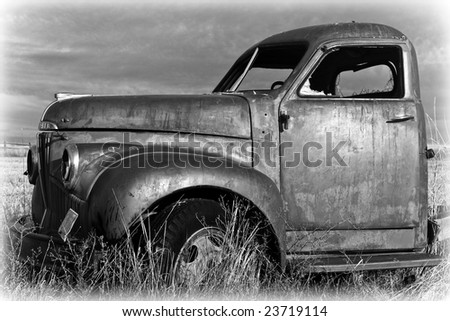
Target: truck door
351 154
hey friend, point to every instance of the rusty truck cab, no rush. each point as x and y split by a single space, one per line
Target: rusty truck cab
321 129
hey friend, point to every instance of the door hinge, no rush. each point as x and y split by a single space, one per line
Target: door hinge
283 120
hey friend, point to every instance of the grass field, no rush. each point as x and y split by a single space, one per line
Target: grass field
123 276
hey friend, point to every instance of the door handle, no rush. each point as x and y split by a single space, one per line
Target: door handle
400 118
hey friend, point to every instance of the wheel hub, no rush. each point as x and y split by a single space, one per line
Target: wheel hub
200 253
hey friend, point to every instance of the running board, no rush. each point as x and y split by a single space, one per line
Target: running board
360 262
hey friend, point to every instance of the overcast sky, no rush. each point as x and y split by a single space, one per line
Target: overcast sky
152 47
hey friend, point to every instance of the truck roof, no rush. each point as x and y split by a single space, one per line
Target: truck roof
323 33
314 37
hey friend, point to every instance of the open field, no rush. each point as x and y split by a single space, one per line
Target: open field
13 150
123 276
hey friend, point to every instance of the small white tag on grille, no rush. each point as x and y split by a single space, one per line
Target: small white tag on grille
67 224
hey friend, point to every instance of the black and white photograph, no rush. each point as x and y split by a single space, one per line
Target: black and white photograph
231 159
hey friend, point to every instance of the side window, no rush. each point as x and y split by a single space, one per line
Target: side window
359 72
375 79
262 78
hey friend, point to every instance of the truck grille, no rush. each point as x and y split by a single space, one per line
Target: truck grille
61 201
57 199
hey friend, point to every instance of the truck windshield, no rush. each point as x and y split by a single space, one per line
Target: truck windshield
265 68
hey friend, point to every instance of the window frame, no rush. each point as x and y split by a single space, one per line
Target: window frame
317 57
235 76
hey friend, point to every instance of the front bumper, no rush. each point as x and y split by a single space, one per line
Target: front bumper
38 249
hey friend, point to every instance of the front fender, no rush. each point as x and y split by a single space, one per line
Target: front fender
126 190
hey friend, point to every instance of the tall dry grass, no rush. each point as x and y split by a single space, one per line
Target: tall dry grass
97 270
119 272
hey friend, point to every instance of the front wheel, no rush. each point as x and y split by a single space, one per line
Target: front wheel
199 254
192 237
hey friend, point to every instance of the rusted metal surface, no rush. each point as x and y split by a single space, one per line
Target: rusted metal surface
349 240
381 184
377 188
320 34
130 192
99 148
41 248
374 200
359 262
266 135
314 38
207 114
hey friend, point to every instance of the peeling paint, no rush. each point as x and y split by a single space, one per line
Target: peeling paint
374 200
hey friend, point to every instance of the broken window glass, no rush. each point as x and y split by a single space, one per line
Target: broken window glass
358 72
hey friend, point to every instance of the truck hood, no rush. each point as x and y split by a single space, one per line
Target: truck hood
224 115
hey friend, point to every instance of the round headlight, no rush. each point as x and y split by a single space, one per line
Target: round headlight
32 165
69 165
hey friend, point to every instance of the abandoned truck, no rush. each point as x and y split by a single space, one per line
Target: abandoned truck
320 129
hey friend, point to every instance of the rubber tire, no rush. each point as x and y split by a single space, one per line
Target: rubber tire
183 220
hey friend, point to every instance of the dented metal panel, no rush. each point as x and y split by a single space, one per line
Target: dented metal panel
362 171
362 262
362 165
320 34
206 114
330 173
353 240
120 195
